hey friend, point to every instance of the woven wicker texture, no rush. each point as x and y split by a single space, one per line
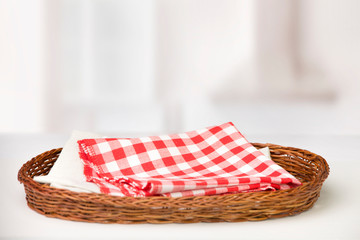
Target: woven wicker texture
309 168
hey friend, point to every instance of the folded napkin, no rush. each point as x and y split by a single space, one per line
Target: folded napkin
68 170
214 160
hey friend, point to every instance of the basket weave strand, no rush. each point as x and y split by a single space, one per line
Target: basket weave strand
309 168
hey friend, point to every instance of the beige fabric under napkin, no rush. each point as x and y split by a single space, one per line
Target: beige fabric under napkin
68 170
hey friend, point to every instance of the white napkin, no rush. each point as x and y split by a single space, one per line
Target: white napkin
265 151
68 170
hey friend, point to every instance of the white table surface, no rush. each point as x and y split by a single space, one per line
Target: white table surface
334 216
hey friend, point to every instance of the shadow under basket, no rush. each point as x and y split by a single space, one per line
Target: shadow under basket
309 168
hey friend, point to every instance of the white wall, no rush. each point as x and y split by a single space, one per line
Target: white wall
156 66
102 66
21 66
330 43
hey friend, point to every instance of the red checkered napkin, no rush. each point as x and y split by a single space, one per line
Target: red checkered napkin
214 160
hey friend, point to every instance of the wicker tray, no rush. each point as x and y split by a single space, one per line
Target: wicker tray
309 168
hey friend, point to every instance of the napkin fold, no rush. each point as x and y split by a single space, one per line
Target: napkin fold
213 160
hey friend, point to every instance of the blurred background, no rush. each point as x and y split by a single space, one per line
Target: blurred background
158 66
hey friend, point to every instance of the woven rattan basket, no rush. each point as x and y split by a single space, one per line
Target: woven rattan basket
309 168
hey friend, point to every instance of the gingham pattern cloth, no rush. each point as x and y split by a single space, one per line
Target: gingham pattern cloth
214 160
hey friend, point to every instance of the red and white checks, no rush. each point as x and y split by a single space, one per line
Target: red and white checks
214 160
